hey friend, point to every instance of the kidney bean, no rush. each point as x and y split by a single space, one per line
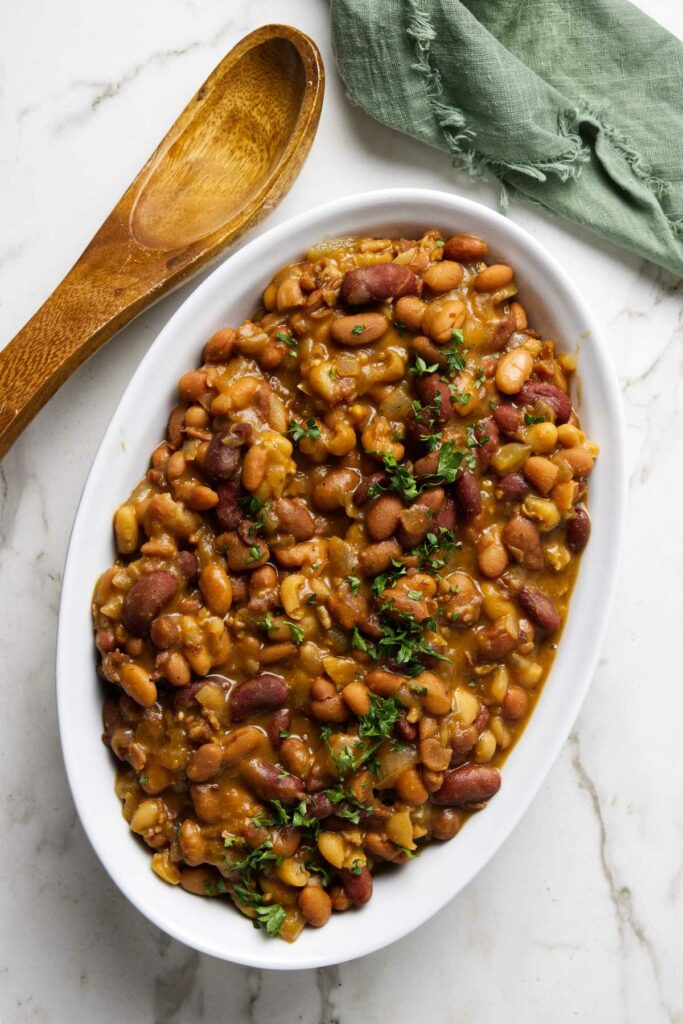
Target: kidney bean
319 805
377 283
512 487
428 388
465 248
222 459
539 608
501 335
382 518
186 565
446 518
467 495
269 782
146 598
470 783
360 495
334 489
523 541
264 692
357 886
488 436
535 391
229 512
295 518
508 418
578 530
279 724
360 329
242 554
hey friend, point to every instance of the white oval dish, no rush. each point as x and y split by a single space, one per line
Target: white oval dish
409 896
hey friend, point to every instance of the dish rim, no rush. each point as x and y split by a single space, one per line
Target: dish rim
370 932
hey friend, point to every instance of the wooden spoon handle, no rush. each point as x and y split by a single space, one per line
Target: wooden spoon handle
77 319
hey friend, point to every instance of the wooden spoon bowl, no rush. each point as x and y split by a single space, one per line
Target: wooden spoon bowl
226 162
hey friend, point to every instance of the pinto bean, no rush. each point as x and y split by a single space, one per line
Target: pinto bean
445 823
495 641
269 782
357 886
513 370
205 762
523 541
435 393
578 530
334 490
375 558
218 348
264 692
508 418
496 276
443 276
537 391
382 518
228 510
515 702
467 496
512 487
146 598
241 743
465 248
240 555
409 312
361 329
295 518
539 608
315 905
470 783
377 283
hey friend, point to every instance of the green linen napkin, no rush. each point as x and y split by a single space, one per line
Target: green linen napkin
576 104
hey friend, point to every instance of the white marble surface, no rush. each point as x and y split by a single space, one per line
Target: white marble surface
580 915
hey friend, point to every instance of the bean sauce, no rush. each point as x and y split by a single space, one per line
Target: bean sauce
340 586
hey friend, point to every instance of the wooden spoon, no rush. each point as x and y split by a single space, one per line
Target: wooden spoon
226 162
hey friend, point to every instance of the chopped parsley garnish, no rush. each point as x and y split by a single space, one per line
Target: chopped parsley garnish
270 916
420 368
296 631
255 553
358 329
354 583
287 339
254 861
456 360
298 431
439 243
531 420
265 623
143 779
252 505
380 719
